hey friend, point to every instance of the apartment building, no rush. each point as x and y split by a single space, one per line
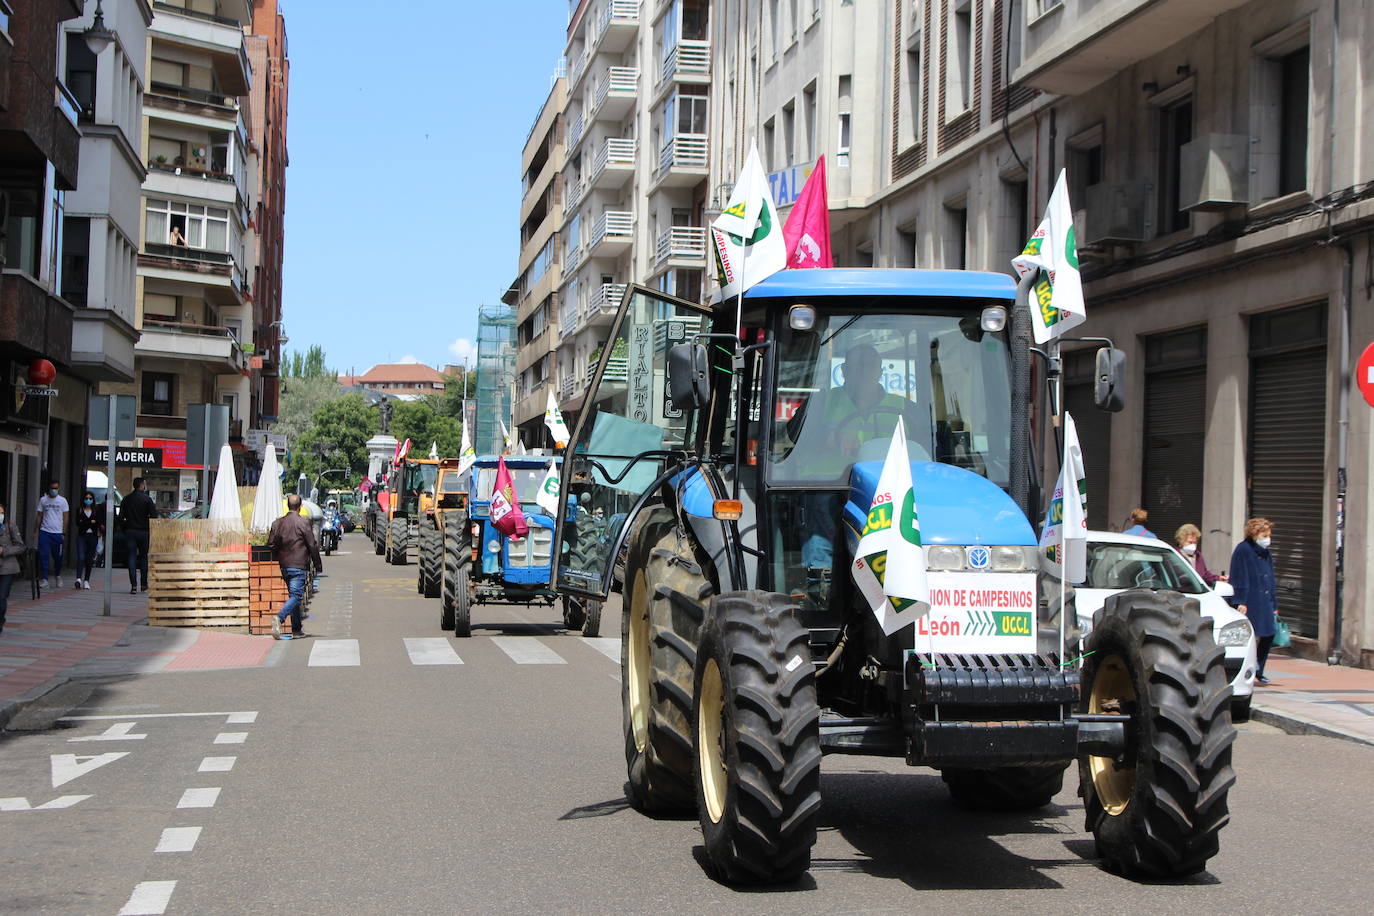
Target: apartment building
1219 161
534 294
635 181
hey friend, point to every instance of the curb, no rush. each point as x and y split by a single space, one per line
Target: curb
11 708
1298 725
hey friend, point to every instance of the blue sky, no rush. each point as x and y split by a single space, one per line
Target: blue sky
403 193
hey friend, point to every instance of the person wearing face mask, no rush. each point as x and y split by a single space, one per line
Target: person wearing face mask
1252 576
1189 541
11 549
50 528
90 527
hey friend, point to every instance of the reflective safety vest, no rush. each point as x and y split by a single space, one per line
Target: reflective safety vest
845 427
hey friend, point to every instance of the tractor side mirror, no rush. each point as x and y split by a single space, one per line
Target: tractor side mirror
689 386
1109 383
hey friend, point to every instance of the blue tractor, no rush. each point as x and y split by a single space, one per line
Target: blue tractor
733 453
483 566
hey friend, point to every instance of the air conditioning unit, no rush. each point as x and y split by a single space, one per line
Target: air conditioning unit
1116 212
1214 172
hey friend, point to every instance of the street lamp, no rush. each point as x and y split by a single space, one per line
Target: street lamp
98 38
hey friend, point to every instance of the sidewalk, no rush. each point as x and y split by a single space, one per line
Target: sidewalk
1312 698
63 635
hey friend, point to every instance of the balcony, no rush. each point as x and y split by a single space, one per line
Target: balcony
682 161
224 283
614 163
576 130
615 95
577 68
569 321
576 191
616 26
681 243
211 345
219 36
171 97
572 386
1080 44
612 233
188 182
687 62
605 299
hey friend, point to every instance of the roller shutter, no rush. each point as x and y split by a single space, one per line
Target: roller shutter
1175 412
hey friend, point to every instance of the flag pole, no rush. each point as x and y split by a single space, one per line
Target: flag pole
1063 527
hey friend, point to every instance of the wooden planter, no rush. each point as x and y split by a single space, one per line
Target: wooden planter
195 589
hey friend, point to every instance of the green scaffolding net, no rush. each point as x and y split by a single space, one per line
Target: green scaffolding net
495 377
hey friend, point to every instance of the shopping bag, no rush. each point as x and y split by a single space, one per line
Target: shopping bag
1282 635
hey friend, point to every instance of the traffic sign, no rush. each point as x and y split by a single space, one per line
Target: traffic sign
1364 374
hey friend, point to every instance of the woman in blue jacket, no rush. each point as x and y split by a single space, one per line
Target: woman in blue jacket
1252 576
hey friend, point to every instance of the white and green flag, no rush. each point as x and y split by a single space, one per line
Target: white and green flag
467 454
747 236
505 437
1047 270
1064 538
553 419
548 491
889 563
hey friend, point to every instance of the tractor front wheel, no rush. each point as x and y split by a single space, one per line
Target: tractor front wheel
591 618
1157 809
431 559
756 730
398 541
573 615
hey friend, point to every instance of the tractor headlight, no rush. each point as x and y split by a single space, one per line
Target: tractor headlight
1013 559
944 556
1235 633
494 545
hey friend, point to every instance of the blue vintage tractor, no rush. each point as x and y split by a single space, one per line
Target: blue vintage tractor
734 453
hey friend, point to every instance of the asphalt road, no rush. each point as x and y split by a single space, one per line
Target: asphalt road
496 786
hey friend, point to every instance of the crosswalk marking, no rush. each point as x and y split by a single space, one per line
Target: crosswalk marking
526 650
149 898
178 839
217 764
606 645
199 798
435 650
334 653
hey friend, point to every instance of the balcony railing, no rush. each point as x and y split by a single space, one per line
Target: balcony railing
682 242
198 96
568 321
622 81
615 151
182 252
185 327
615 12
159 6
576 191
687 58
605 297
575 132
571 386
613 225
577 67
189 171
685 151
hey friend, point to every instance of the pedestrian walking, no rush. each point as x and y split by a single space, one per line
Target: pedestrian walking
1136 524
1188 537
49 530
89 529
1252 576
293 542
135 512
11 549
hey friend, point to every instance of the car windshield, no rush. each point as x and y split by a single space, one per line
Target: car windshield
842 385
1118 566
525 480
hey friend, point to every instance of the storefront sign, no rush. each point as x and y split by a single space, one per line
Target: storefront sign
173 453
39 391
787 184
99 456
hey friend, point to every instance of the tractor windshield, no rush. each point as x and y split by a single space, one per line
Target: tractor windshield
526 482
842 385
420 478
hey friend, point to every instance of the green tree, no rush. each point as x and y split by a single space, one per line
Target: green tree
299 402
450 402
336 438
419 422
309 364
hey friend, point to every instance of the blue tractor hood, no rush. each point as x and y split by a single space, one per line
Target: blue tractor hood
955 506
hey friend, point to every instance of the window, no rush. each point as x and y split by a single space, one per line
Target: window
1175 130
1293 101
197 227
76 235
789 134
844 121
775 26
909 115
80 77
906 246
769 157
691 110
956 235
1016 218
809 120
959 43
1280 101
158 388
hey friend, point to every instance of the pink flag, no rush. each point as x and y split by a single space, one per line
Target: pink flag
806 233
506 516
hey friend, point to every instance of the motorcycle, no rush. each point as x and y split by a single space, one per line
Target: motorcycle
330 531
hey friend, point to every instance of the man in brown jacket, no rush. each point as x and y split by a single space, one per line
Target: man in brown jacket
294 545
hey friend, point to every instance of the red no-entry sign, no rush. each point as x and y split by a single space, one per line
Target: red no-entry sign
1364 374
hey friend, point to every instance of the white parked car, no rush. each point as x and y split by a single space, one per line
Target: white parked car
1117 562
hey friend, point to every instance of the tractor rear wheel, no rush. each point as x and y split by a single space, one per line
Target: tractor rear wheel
431 558
462 603
1005 788
665 600
1158 809
378 535
756 730
591 618
398 541
455 555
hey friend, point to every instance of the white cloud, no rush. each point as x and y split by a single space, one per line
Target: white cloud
408 358
463 350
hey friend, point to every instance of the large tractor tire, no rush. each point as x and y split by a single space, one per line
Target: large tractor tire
591 623
756 729
398 541
378 535
455 596
1157 811
1005 788
430 559
665 601
582 614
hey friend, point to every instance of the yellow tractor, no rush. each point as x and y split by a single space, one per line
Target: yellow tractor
412 483
446 505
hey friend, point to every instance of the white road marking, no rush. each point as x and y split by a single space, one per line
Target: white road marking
241 718
66 767
22 804
435 650
231 737
217 764
334 653
198 798
166 715
607 645
150 898
117 732
527 650
178 839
